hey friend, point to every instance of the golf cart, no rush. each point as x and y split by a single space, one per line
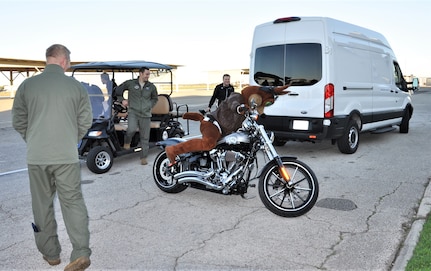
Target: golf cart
105 139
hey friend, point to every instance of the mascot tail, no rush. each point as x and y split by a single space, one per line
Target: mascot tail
193 116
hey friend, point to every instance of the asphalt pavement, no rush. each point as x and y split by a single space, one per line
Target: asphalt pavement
370 211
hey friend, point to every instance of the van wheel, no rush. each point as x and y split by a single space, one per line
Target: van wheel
349 142
100 159
279 142
404 126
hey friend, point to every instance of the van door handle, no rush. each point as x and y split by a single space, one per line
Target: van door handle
396 91
293 94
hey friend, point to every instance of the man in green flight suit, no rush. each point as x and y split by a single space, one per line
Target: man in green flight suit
142 96
52 112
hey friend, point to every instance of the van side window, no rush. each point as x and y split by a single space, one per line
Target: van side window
400 82
299 64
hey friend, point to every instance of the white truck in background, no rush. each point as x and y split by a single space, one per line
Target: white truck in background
344 78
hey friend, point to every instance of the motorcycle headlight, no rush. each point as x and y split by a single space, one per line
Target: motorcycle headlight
246 124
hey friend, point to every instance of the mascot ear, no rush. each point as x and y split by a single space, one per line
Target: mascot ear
274 90
280 90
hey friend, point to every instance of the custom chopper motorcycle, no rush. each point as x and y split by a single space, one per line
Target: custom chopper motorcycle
287 186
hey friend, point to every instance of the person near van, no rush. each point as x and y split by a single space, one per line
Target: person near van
142 96
415 84
221 92
52 112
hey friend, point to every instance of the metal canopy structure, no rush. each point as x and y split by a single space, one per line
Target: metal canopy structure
133 65
12 68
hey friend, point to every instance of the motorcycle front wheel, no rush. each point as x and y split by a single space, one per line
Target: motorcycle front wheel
288 199
163 179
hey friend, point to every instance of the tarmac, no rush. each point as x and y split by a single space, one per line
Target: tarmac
129 215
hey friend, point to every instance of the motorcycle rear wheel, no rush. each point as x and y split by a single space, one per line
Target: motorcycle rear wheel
162 178
284 200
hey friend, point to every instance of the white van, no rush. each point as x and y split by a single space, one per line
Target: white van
344 80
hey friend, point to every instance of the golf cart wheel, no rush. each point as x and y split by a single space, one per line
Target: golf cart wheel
178 133
100 159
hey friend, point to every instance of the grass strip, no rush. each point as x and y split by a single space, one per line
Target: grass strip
421 259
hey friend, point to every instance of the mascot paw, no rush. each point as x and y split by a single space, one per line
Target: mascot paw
202 112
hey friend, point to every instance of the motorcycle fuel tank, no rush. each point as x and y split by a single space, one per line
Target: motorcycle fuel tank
234 140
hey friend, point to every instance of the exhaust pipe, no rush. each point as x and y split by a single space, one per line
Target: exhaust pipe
197 177
209 185
193 174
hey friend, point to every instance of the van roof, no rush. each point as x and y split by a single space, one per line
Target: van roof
336 26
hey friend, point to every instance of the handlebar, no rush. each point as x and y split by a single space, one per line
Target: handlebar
119 107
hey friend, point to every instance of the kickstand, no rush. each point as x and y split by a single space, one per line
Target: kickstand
247 197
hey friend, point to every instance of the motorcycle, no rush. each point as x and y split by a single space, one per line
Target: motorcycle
287 187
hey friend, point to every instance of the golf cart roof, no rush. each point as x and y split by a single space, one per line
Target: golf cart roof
133 65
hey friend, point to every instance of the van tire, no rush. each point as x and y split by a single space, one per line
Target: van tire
404 126
349 142
279 142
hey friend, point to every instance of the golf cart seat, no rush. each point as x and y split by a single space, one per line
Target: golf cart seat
161 111
161 114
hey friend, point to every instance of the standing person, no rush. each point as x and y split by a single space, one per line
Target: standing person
141 99
96 99
110 84
104 77
52 112
221 92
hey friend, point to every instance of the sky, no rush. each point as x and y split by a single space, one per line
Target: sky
199 34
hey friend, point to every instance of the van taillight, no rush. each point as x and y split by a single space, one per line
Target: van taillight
287 19
329 101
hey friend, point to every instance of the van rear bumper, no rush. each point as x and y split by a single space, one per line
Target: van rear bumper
283 128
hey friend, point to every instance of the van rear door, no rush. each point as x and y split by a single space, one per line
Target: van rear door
291 53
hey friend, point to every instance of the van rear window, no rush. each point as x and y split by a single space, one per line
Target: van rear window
299 64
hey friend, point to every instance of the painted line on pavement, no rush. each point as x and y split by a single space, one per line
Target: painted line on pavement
12 172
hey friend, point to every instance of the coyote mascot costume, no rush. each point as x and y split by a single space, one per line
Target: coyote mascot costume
227 118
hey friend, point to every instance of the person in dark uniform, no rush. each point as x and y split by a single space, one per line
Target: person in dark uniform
221 92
